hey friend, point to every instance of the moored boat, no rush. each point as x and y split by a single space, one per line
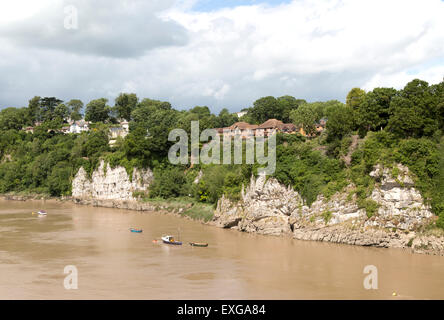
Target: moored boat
198 244
170 240
136 230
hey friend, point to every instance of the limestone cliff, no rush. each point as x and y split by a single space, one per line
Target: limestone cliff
268 207
265 207
109 183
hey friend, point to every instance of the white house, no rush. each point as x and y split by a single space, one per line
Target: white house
119 131
79 126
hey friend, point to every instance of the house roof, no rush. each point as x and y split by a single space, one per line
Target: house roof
243 126
269 124
272 124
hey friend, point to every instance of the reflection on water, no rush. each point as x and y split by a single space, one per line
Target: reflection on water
114 263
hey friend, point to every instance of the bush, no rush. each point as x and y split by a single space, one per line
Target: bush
59 181
308 171
210 187
168 183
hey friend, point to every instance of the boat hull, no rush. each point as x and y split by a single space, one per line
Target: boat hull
195 244
174 243
136 231
170 240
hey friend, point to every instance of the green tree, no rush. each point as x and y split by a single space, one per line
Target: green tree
306 117
98 142
47 108
264 109
439 90
355 97
226 119
287 104
59 180
207 120
13 118
308 114
34 109
125 103
137 145
97 110
373 112
148 138
340 121
406 119
271 108
425 102
61 111
75 109
165 105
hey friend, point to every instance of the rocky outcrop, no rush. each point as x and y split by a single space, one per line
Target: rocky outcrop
109 183
268 207
265 208
375 237
354 236
401 205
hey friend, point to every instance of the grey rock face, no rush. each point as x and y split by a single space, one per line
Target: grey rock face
265 208
400 205
268 207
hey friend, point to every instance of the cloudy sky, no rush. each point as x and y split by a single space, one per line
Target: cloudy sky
219 53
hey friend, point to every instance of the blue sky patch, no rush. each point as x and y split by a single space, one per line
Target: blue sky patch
426 65
211 5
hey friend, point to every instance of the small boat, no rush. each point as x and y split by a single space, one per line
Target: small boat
170 240
136 230
42 213
198 244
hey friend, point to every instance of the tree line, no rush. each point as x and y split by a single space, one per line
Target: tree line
392 126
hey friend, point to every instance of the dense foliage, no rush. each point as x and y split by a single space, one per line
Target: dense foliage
384 125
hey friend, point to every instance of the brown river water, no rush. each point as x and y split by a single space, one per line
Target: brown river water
114 263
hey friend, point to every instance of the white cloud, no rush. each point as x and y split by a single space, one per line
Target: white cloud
308 49
113 28
397 80
307 37
20 10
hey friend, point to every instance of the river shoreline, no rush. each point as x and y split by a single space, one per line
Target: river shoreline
166 207
420 242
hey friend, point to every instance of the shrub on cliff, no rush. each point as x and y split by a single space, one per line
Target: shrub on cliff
307 170
222 179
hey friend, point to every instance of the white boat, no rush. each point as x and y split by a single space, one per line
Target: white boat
170 240
42 213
